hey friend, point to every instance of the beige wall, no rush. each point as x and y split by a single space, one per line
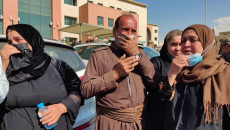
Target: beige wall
70 11
89 13
73 11
141 11
152 28
155 35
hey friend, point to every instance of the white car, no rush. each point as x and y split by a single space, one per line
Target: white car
87 113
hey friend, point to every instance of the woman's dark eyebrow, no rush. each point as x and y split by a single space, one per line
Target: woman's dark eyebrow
16 37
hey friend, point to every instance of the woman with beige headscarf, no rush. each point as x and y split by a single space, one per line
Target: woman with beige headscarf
201 80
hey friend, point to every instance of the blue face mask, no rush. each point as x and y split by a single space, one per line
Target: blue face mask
194 59
119 40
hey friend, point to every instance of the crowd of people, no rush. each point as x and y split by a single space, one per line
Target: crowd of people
185 88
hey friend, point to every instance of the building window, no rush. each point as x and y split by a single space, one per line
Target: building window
71 2
111 7
155 31
155 38
90 1
110 22
100 20
36 13
118 8
100 4
70 20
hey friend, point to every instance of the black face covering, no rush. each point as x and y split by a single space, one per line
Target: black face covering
27 64
23 48
21 60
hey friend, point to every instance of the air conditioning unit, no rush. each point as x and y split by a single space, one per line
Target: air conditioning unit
1 16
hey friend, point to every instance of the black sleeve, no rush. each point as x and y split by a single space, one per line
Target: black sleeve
226 57
72 85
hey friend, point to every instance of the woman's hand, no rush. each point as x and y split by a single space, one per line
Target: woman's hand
6 52
53 113
178 63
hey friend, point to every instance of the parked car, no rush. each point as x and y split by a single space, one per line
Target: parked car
150 52
87 113
85 50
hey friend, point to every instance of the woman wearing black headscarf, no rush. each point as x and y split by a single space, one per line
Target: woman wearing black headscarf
158 97
35 77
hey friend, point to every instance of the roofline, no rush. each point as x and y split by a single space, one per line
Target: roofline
94 43
224 32
85 24
134 3
152 24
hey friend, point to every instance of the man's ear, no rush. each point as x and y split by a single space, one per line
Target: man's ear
114 32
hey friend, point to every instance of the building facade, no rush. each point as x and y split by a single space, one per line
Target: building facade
152 33
222 36
48 16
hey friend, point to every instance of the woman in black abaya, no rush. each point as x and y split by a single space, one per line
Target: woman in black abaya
35 77
158 98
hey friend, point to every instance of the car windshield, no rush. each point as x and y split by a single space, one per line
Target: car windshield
150 52
67 55
85 51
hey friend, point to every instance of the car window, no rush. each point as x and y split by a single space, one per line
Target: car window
80 49
150 52
67 55
86 51
2 44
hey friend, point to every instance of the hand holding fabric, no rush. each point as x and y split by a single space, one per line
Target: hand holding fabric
129 45
124 66
53 113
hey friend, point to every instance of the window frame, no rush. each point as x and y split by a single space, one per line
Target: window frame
98 22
